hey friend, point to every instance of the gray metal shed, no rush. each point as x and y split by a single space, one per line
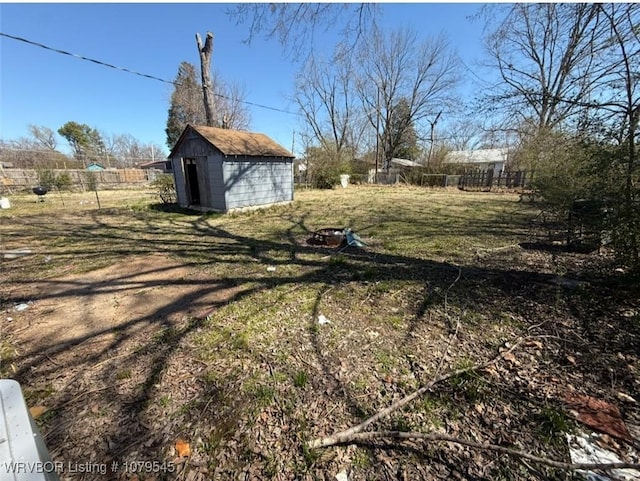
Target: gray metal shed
222 170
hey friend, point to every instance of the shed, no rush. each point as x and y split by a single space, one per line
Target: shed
95 167
163 165
482 159
222 170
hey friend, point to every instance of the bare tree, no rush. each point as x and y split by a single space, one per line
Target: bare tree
396 66
44 137
325 95
543 53
128 149
616 100
462 134
572 69
230 111
27 153
295 25
614 80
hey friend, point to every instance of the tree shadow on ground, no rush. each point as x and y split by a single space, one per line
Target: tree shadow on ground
157 336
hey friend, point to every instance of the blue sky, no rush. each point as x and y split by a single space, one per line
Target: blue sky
44 88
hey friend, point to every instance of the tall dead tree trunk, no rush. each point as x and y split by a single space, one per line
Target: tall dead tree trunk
205 52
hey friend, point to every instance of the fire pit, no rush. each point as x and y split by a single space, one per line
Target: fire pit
40 192
329 237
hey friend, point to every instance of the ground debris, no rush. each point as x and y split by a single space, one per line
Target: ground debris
116 347
598 414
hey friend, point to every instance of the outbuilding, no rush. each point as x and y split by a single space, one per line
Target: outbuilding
95 167
482 159
221 170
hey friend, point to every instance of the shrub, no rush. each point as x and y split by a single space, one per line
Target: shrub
91 180
567 169
46 178
62 181
165 189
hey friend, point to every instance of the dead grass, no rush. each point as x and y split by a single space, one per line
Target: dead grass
250 379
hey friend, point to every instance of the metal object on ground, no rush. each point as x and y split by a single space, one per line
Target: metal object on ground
40 192
329 237
336 237
586 224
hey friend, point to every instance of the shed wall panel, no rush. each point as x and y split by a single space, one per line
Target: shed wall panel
216 184
251 183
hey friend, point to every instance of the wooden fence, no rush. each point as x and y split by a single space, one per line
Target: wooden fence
12 180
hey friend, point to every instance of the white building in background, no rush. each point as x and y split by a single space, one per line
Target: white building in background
482 159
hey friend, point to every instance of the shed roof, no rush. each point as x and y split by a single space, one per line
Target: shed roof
405 162
477 156
94 166
237 142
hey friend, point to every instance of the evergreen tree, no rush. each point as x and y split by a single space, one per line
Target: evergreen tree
400 138
186 106
86 142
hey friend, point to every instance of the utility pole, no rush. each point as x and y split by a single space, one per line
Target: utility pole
432 137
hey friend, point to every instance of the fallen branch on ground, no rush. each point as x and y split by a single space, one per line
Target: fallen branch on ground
368 436
355 434
347 435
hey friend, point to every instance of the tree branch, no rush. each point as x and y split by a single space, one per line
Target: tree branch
347 435
361 437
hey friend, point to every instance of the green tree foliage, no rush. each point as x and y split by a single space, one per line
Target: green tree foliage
62 181
186 105
85 142
48 178
401 132
561 165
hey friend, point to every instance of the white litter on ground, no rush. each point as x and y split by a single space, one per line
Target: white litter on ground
584 448
22 307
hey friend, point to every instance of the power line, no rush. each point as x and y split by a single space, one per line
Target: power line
123 69
81 57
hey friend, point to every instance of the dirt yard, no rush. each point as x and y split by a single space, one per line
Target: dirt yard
98 336
162 344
